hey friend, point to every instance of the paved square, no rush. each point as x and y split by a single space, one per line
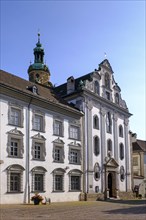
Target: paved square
99 210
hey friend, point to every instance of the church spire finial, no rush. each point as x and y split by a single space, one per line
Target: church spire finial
38 36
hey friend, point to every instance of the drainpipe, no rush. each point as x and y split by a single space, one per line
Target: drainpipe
28 147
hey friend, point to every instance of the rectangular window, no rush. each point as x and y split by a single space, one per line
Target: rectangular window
15 117
107 95
58 128
14 182
38 182
135 161
75 182
38 123
57 154
74 132
14 148
37 151
74 156
58 182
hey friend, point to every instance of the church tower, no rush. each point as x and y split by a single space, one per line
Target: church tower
38 71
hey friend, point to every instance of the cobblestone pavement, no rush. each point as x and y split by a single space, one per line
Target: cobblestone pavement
99 210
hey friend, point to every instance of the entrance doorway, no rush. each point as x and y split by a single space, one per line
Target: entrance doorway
110 184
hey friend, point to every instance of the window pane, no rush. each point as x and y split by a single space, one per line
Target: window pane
58 182
14 182
57 154
14 148
75 182
38 182
74 132
15 117
37 151
73 156
38 120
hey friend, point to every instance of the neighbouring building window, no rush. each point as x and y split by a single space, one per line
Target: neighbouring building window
95 122
122 173
96 87
38 179
117 98
58 151
15 179
38 121
58 128
109 147
107 81
15 115
75 180
38 147
15 147
108 123
96 146
96 171
135 161
121 151
58 179
74 132
107 95
120 131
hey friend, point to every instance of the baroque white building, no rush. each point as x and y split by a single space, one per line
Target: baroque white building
106 146
40 138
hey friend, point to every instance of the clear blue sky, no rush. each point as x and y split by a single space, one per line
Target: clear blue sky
75 36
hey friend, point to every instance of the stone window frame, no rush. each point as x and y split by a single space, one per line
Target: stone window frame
61 127
41 115
96 122
121 151
39 139
16 135
109 147
122 173
97 171
75 173
120 131
19 109
15 169
58 172
75 147
58 144
96 145
38 170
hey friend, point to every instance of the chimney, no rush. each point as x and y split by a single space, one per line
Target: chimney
70 85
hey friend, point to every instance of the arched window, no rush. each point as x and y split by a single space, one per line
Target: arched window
58 179
38 179
120 131
121 151
108 123
95 122
96 87
122 173
117 98
107 81
109 147
96 146
75 180
96 171
15 178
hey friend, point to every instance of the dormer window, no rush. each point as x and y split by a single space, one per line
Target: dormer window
107 81
35 90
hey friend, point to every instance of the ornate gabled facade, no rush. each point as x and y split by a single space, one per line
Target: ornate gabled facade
40 144
106 147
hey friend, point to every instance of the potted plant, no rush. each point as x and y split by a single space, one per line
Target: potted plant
36 199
